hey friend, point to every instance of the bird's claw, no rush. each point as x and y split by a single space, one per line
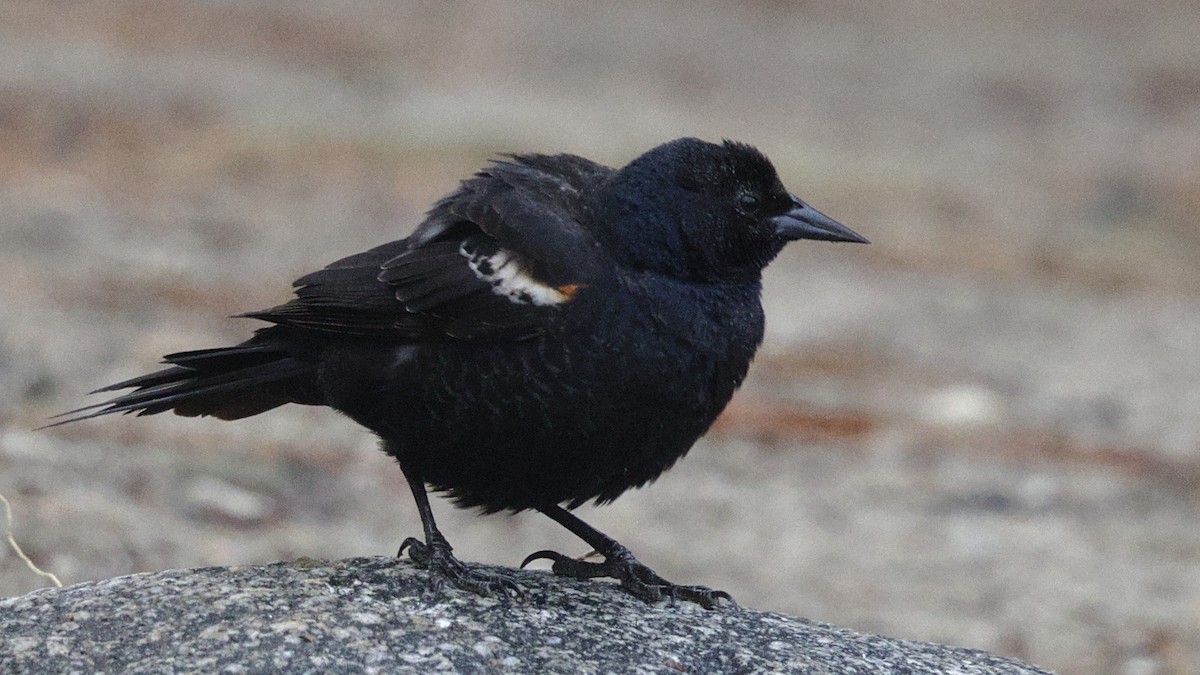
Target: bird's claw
437 558
565 566
636 578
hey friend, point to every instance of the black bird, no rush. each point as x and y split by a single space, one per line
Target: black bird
555 332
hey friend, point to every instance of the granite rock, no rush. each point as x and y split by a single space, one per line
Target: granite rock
384 615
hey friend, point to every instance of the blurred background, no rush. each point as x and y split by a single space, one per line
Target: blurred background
982 429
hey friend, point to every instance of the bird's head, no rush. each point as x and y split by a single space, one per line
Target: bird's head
706 211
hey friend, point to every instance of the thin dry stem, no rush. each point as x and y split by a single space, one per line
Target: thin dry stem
8 534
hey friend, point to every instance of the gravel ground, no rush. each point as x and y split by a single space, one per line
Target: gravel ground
980 430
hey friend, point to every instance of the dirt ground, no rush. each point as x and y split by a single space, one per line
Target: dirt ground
981 430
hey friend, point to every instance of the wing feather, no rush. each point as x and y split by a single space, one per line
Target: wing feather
490 262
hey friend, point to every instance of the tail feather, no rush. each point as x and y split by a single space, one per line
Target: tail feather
227 383
158 377
221 359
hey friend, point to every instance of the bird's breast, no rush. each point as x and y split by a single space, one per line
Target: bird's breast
667 348
614 394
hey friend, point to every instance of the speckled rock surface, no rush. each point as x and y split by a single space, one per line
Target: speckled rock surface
383 615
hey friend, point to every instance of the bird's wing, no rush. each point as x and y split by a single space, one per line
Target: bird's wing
493 260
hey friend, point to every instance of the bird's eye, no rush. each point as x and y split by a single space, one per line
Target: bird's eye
747 202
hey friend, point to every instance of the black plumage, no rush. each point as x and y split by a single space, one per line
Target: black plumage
555 332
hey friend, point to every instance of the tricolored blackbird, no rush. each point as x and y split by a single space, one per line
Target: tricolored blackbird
555 332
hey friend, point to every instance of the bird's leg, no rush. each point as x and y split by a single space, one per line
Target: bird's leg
436 555
639 580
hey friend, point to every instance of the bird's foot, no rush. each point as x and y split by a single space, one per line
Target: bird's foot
437 557
637 579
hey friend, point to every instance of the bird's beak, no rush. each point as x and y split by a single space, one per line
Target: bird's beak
805 222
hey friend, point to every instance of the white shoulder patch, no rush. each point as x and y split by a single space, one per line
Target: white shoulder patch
503 272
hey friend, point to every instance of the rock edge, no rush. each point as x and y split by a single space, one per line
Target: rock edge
385 615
